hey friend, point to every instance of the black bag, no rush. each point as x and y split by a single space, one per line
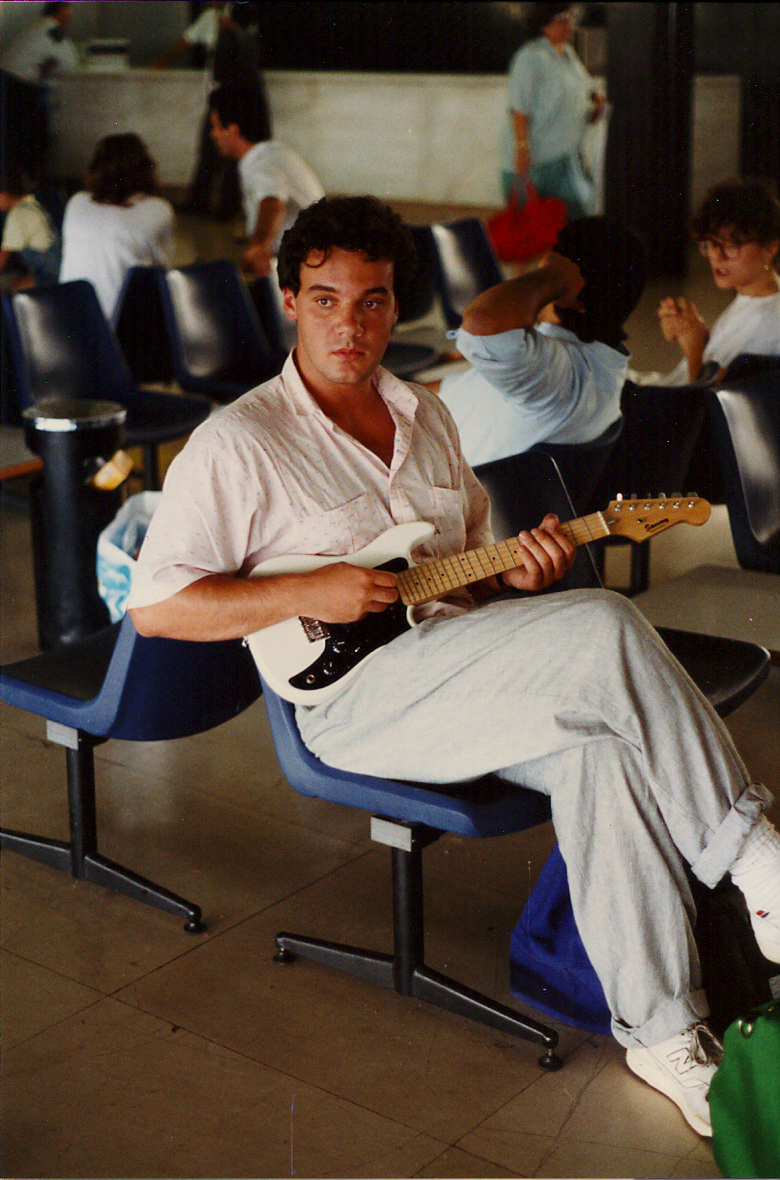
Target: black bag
735 975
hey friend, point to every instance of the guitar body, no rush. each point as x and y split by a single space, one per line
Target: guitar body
306 661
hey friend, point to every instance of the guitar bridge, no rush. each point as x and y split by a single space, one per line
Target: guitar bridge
313 629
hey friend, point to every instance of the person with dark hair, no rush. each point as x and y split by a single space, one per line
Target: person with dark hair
43 50
275 182
118 221
571 694
232 59
28 232
737 228
546 349
551 98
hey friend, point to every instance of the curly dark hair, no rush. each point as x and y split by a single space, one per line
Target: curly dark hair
348 223
613 263
120 168
746 207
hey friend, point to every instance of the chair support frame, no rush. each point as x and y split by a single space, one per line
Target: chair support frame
405 971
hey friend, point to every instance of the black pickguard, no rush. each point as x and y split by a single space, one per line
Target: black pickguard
349 643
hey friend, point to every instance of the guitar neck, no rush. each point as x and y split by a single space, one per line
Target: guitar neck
423 583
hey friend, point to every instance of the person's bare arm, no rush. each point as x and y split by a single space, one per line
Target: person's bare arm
221 606
522 126
517 302
270 219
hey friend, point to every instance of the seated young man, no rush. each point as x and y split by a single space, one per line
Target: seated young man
571 694
275 182
543 371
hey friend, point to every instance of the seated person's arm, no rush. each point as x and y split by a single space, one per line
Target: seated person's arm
682 324
517 303
270 219
221 606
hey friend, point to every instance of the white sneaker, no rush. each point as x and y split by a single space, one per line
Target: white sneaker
682 1068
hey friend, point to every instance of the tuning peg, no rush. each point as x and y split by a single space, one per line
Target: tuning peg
677 495
662 496
691 495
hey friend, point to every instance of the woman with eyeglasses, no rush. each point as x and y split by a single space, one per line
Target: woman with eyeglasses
738 231
551 98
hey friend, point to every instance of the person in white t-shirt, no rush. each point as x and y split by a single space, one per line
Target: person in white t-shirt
276 184
118 222
738 231
43 49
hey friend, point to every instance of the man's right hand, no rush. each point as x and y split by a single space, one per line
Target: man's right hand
344 593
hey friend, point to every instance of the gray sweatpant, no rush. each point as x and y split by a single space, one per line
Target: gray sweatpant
574 695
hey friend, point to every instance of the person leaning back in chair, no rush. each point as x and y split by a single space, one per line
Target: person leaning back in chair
571 694
546 348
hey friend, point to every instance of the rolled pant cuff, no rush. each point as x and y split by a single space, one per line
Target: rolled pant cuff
675 1016
725 845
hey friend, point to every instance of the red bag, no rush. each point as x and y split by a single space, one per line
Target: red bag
520 232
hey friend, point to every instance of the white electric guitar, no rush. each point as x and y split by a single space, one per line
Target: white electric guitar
306 661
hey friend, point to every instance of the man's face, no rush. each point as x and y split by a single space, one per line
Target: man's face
345 311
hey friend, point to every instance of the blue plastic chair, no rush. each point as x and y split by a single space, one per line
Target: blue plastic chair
218 346
409 816
745 419
466 265
62 346
117 684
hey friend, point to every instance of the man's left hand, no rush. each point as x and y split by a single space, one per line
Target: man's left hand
546 555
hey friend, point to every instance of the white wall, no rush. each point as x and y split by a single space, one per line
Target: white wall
421 138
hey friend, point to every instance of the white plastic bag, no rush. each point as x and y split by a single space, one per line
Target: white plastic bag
117 550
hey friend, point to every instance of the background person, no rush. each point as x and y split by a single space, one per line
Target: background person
27 232
551 98
119 220
738 231
231 59
546 349
275 182
43 50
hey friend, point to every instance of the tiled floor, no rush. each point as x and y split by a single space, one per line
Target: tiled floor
133 1049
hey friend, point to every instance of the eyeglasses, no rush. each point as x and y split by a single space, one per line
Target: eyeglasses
729 250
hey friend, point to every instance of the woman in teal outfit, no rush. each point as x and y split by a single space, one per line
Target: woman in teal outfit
551 98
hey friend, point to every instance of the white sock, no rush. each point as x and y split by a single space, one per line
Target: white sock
756 871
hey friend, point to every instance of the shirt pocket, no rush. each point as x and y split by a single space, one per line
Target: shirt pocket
444 509
343 529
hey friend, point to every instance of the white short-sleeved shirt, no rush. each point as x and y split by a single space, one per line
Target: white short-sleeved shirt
272 475
750 323
553 89
45 39
28 227
529 387
101 242
272 169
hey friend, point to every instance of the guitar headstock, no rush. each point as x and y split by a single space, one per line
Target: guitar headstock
641 519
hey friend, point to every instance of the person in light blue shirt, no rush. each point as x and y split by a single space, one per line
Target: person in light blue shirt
546 349
551 98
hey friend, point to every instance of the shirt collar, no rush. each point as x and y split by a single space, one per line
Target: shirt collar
401 400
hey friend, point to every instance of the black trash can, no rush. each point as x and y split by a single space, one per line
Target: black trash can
75 438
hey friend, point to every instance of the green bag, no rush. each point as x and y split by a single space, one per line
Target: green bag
745 1096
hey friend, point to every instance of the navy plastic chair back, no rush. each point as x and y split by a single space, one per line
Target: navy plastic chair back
522 489
217 342
139 323
281 333
465 266
62 346
745 417
582 464
419 299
